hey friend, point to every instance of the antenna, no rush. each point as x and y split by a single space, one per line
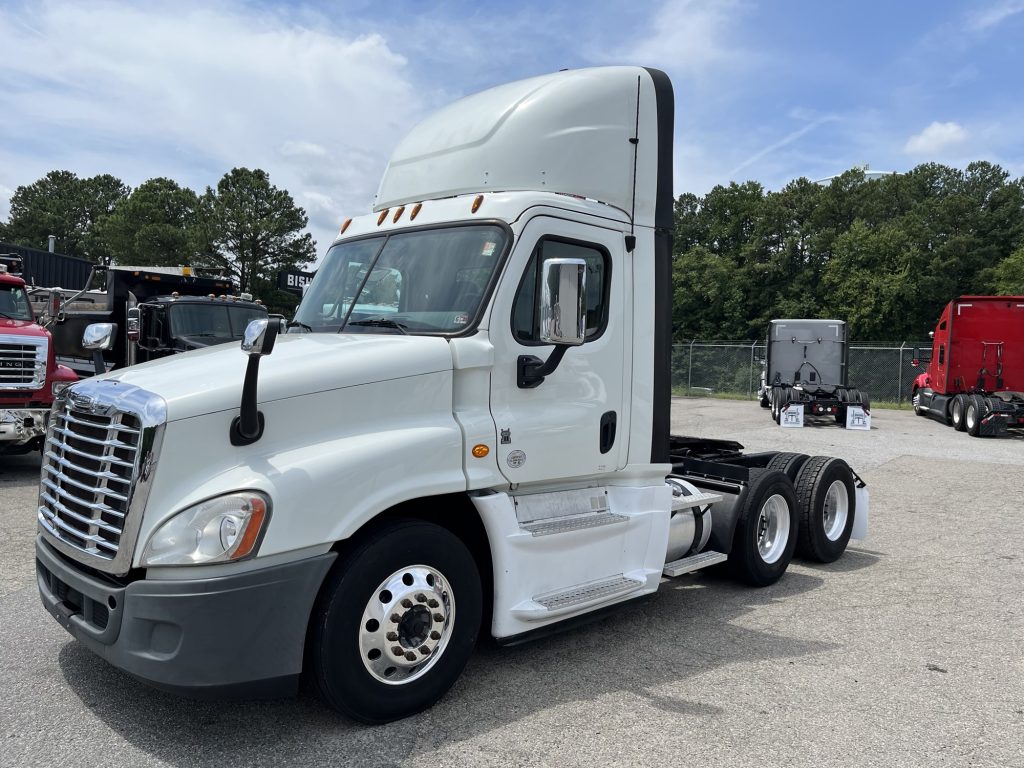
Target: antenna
631 237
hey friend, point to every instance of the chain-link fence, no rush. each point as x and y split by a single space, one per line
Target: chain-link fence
882 370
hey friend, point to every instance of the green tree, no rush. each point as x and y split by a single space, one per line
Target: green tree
1008 276
64 205
254 230
158 225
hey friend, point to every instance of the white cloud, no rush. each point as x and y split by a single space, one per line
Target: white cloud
935 138
190 90
994 15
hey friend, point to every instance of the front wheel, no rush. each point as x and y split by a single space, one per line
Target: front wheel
395 622
765 529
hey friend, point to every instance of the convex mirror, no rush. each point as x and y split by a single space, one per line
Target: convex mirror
563 302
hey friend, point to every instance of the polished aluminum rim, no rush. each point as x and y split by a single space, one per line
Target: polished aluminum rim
958 410
773 528
837 510
406 624
972 415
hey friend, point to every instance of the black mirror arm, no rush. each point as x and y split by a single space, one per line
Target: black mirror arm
247 427
531 370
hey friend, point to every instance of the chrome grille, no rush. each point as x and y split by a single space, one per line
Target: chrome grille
23 361
100 445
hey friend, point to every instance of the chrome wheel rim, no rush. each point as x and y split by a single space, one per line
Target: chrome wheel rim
772 528
406 624
837 510
972 416
958 410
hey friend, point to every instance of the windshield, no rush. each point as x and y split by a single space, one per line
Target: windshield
14 303
208 324
430 281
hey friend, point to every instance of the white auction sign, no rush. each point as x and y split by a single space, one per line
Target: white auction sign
857 417
792 415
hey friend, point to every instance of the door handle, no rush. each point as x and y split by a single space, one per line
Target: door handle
607 431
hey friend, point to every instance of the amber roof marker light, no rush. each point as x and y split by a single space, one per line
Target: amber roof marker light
344 226
415 211
398 214
383 215
476 204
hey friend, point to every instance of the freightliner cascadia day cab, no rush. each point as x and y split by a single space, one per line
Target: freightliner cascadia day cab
465 431
975 376
807 363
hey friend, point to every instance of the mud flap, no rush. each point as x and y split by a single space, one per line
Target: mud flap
860 516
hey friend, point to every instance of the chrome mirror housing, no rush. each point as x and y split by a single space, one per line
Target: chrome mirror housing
259 337
99 336
563 302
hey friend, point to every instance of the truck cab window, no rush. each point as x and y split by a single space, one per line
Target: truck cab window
525 310
942 354
14 303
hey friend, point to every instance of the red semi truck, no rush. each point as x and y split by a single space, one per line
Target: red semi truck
975 376
30 377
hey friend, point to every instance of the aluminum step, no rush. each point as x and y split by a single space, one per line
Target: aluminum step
578 597
574 523
696 500
694 563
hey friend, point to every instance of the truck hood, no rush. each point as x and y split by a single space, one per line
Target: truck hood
20 327
210 380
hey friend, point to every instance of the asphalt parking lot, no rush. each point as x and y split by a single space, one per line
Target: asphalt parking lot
909 651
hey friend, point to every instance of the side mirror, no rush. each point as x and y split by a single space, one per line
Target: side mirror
134 324
257 341
54 305
259 337
931 334
99 336
563 302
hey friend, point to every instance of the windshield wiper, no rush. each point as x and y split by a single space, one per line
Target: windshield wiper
303 326
382 322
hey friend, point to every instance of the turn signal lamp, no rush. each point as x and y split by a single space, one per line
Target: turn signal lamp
481 450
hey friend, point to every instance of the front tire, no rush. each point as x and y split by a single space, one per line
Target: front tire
766 529
395 622
827 502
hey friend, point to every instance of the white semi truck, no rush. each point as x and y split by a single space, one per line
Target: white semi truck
466 430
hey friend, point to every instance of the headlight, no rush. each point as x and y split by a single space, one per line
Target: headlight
214 531
59 386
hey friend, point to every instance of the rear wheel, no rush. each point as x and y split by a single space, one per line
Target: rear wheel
973 415
788 463
956 412
765 529
840 414
395 622
826 501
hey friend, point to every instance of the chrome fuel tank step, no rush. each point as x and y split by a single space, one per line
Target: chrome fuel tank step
694 563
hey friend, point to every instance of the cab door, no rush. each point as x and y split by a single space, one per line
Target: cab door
574 423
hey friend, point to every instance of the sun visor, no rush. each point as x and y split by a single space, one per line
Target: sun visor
567 132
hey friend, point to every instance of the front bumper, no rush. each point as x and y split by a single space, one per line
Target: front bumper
20 425
239 635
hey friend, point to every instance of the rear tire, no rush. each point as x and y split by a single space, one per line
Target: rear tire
973 415
385 639
826 500
766 529
787 463
956 412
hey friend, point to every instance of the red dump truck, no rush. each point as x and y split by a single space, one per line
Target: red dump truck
975 375
30 377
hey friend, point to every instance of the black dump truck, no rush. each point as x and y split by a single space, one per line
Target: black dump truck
156 311
806 363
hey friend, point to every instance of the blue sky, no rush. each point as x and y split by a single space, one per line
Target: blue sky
319 93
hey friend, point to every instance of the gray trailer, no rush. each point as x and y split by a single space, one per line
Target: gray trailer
807 363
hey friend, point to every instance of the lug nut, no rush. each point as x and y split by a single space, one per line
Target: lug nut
425 650
438 617
397 650
421 598
433 603
392 636
435 635
395 618
407 603
410 656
